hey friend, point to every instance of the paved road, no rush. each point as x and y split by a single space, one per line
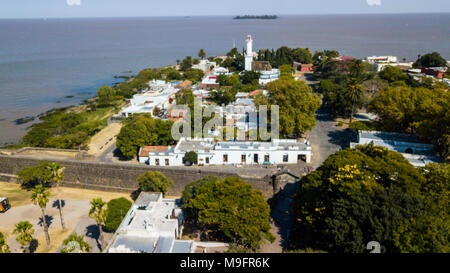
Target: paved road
108 154
326 138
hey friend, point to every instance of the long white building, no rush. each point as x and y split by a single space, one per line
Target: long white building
210 152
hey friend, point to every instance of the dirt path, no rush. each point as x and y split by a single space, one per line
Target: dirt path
104 139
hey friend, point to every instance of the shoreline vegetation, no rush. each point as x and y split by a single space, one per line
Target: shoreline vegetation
263 17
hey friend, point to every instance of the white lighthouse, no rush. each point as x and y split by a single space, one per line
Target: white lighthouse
249 54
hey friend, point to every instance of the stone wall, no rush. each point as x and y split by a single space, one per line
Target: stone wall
122 177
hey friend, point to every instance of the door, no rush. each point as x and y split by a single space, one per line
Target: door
255 158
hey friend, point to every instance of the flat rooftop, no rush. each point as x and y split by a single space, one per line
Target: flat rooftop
387 136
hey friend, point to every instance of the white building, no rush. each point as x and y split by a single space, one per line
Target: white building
269 76
380 62
205 65
210 152
417 153
382 59
152 225
146 102
221 71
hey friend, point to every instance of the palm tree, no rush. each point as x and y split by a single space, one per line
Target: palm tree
57 172
24 231
40 197
201 53
75 244
355 92
4 248
98 213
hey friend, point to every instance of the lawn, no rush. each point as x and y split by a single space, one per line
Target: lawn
19 197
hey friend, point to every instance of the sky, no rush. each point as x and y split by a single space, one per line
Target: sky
139 8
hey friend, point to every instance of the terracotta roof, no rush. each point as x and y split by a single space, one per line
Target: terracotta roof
147 149
254 93
185 84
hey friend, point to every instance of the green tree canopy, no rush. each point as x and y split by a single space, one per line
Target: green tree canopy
115 212
202 54
185 97
143 130
75 244
230 209
370 194
24 231
191 157
417 110
393 74
430 60
105 96
40 174
4 247
297 105
194 75
154 182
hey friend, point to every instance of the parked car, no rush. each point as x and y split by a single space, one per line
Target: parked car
4 204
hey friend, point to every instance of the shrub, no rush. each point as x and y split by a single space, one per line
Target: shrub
191 157
154 182
115 212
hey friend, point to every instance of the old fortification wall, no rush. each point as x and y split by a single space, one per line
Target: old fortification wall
120 177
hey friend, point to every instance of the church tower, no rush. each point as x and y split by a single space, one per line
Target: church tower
249 54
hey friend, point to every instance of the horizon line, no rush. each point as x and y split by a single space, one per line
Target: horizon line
225 15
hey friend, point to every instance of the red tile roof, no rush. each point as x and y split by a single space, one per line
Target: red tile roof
147 149
254 93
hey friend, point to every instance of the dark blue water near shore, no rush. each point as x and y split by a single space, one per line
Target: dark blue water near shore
43 61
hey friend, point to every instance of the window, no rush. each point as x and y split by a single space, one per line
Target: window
167 161
225 158
207 160
285 158
157 161
266 158
243 158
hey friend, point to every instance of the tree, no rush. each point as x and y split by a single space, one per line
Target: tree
250 77
186 63
24 231
75 244
392 74
430 60
297 105
105 96
201 54
36 175
191 157
185 97
355 94
115 212
230 209
143 130
154 182
4 247
57 172
370 194
194 75
98 213
39 197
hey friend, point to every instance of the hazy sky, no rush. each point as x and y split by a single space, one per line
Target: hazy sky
120 8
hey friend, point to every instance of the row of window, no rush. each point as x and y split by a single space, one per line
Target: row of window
166 162
255 158
225 159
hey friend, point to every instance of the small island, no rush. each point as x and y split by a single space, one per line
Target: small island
264 17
